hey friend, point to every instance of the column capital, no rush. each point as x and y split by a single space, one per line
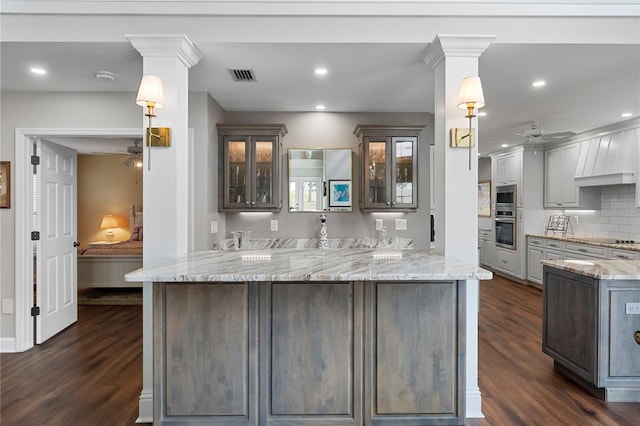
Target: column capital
456 45
166 45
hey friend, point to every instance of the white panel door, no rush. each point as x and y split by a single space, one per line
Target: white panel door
57 281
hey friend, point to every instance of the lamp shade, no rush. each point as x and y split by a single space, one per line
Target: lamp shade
471 93
109 221
150 92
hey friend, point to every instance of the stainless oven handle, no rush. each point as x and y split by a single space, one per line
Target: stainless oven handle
506 219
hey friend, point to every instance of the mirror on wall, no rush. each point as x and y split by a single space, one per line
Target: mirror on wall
320 180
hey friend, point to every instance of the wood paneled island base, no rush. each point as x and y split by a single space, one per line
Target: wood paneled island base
311 337
309 353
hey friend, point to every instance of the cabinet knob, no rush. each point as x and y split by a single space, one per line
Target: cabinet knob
388 203
247 202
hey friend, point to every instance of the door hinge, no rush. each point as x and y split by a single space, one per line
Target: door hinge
35 160
35 236
35 311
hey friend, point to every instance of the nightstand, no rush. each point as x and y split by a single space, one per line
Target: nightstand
103 243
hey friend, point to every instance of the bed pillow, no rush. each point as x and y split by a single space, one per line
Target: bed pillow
136 234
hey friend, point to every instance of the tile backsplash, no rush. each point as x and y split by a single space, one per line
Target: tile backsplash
617 218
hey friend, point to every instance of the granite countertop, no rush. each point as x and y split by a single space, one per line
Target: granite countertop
599 268
310 265
594 241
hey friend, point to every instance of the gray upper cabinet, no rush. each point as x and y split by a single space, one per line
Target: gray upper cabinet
250 162
389 167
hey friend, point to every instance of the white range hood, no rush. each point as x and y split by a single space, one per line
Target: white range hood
609 159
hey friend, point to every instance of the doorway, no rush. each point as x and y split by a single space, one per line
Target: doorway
25 266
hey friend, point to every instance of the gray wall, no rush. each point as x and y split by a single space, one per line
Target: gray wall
335 130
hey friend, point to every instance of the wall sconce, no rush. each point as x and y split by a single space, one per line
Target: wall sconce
108 222
471 97
151 95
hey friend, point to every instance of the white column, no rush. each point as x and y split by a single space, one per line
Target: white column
166 187
453 58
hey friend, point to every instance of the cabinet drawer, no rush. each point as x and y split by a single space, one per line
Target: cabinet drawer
554 244
624 254
586 250
506 260
535 241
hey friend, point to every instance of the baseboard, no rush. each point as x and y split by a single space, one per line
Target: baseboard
7 344
474 404
145 407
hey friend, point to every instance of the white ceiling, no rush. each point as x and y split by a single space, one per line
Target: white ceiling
588 85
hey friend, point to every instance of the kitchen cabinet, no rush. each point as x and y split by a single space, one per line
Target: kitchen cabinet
591 333
507 261
560 189
250 164
523 167
509 168
486 247
389 158
539 249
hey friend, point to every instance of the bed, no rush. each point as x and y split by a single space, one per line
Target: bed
106 265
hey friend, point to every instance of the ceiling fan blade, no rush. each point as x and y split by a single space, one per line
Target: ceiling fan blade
559 135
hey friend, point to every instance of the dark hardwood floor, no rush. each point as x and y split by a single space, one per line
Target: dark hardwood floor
517 381
91 373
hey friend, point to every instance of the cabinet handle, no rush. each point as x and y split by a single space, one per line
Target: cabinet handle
558 204
504 261
622 256
583 250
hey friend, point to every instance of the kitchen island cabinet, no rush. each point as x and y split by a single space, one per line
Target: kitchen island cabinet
310 337
591 324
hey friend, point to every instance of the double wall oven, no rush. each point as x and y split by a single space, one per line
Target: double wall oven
505 219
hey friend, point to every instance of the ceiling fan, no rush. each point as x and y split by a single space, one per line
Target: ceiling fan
135 155
534 134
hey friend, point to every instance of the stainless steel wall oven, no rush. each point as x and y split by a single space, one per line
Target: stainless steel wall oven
505 219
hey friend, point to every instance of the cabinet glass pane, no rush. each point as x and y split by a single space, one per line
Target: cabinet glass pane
377 172
237 172
264 172
404 172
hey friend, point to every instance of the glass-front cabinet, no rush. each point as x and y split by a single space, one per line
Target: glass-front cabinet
390 156
250 161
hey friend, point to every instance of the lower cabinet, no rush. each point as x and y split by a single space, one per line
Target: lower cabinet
591 329
332 353
507 261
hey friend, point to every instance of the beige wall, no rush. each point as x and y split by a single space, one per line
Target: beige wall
106 186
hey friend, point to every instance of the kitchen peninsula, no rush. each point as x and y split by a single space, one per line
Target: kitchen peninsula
310 337
591 324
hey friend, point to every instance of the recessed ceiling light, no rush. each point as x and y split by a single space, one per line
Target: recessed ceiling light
626 114
538 83
320 71
320 107
39 71
504 145
482 114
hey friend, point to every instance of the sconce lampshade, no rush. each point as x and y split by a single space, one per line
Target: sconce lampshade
108 222
471 93
150 92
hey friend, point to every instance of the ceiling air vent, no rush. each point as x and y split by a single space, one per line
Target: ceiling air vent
242 75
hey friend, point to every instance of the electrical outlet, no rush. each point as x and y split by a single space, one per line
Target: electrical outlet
401 224
274 225
379 224
575 219
214 227
632 308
